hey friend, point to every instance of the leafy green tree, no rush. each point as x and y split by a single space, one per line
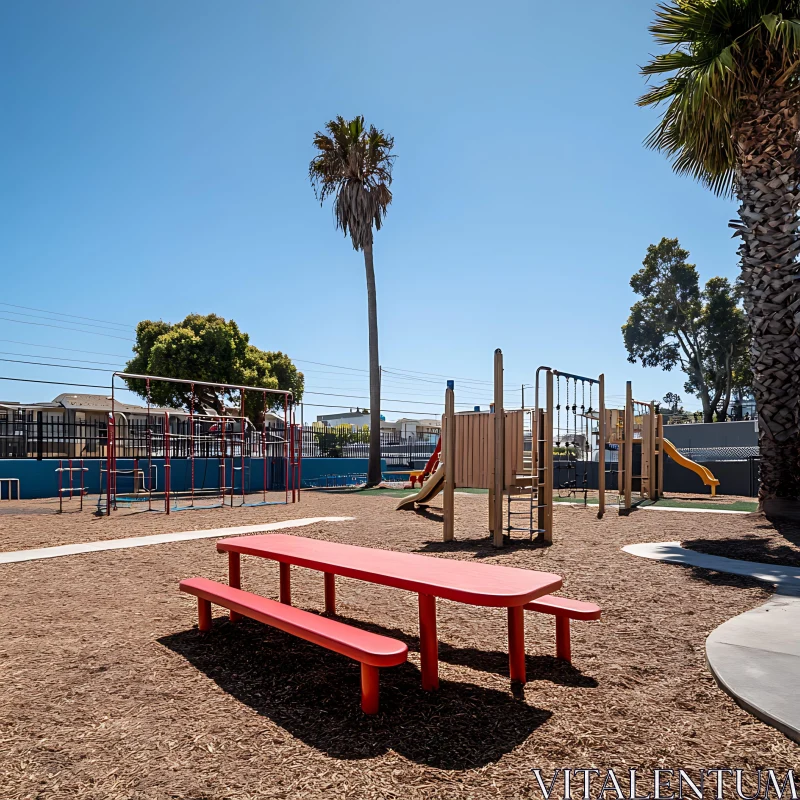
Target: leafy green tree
731 87
354 167
209 348
675 324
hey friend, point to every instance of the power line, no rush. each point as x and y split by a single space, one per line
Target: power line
66 349
61 327
335 366
68 321
357 397
55 383
62 314
388 410
413 373
45 364
61 358
403 373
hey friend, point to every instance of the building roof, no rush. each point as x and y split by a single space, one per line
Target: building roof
427 421
343 415
100 402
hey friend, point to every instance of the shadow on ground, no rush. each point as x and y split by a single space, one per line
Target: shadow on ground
433 514
776 541
537 668
749 547
483 548
315 695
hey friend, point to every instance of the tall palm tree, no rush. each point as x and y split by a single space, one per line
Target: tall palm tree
732 89
354 166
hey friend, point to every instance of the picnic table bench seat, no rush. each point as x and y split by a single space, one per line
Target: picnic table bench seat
564 609
371 650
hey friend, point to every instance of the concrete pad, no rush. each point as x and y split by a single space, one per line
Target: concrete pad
692 510
754 657
663 508
16 556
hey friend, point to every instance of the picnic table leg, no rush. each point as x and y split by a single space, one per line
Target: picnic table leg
330 593
234 578
428 642
369 689
516 643
286 585
563 648
203 614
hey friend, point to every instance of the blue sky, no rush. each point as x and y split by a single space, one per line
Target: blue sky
153 163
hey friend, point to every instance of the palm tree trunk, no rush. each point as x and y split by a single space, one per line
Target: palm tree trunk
767 177
374 475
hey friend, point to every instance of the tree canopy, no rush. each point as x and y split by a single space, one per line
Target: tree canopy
676 324
720 55
209 348
672 401
354 165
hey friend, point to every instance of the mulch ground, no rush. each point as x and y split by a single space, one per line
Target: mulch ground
109 690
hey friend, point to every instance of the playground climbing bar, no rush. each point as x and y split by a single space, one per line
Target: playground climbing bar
231 439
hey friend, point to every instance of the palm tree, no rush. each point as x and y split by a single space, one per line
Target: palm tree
354 165
732 89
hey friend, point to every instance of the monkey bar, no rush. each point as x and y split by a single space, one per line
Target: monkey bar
221 436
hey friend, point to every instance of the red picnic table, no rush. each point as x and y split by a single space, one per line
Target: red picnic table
463 581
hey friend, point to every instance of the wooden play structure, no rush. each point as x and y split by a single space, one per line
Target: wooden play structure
571 431
486 450
638 432
479 450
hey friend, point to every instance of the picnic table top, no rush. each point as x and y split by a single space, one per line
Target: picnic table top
463 581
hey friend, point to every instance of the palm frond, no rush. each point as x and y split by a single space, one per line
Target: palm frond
721 51
354 166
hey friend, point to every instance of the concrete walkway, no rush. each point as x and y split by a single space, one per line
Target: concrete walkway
16 556
787 579
754 657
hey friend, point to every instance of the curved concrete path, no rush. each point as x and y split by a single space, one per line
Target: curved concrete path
754 657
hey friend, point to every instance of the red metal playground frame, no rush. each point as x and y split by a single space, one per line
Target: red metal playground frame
290 446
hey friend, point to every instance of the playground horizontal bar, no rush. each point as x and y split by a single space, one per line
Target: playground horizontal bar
575 377
201 383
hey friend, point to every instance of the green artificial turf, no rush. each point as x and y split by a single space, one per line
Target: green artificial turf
738 505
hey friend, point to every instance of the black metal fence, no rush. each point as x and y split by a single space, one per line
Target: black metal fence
57 439
347 442
738 453
40 439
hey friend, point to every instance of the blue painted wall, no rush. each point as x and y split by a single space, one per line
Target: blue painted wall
39 478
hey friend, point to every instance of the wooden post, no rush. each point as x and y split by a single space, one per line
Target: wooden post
627 449
449 458
498 482
659 457
542 421
652 482
646 463
601 445
547 460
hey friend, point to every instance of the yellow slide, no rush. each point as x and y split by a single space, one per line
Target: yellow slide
704 473
429 490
